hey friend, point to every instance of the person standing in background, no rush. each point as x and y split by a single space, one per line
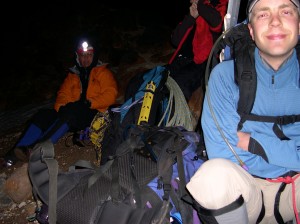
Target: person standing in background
194 38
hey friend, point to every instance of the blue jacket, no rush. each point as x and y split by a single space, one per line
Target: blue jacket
277 94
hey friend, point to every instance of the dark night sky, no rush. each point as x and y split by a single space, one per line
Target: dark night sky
29 22
28 19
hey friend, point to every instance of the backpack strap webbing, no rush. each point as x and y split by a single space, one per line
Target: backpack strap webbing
184 208
165 171
124 148
46 150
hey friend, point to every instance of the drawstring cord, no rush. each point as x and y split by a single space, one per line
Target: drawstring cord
289 180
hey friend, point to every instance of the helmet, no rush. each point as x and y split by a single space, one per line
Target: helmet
84 46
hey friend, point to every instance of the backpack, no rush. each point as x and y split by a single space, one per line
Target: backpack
152 98
127 185
239 46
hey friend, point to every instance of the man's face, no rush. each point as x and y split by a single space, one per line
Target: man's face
85 58
274 26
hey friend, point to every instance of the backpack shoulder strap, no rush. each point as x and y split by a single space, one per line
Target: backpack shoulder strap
238 45
245 72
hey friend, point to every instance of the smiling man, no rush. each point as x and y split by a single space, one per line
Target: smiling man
267 190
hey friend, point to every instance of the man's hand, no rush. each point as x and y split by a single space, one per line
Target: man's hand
87 103
193 9
244 139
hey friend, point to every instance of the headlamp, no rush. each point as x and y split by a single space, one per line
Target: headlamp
84 47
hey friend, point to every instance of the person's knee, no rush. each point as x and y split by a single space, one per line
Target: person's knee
234 212
44 118
219 183
212 182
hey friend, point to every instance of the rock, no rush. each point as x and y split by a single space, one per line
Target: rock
18 186
5 201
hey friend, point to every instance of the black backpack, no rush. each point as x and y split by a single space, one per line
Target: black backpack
118 191
239 46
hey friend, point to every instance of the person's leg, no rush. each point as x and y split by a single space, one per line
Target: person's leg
78 116
189 77
56 131
39 124
219 185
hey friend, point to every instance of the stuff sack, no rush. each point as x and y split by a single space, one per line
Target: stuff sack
121 186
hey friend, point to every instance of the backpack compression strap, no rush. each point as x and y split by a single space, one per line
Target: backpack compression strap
41 164
165 169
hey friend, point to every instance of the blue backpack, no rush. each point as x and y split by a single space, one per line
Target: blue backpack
147 102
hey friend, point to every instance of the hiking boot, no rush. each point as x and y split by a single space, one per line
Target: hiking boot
7 162
22 153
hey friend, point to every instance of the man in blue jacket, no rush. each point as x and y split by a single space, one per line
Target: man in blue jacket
267 188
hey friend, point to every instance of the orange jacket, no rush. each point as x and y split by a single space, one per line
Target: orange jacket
101 92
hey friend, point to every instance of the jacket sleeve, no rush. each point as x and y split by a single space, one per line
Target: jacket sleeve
283 153
104 90
180 30
210 14
67 92
277 157
220 9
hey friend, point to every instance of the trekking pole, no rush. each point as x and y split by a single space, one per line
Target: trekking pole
229 21
232 14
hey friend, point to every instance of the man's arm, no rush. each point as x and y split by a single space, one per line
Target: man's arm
181 29
211 15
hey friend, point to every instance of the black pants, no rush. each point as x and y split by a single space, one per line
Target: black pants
188 75
76 115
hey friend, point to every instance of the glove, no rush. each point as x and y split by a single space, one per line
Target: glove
87 103
72 107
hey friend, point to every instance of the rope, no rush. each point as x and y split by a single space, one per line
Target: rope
289 180
181 115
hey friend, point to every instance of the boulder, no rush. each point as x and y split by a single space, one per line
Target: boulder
18 186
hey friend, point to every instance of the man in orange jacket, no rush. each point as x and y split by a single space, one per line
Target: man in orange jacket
88 88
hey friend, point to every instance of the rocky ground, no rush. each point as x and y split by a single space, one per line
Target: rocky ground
17 204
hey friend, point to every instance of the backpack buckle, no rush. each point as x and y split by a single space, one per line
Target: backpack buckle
287 119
